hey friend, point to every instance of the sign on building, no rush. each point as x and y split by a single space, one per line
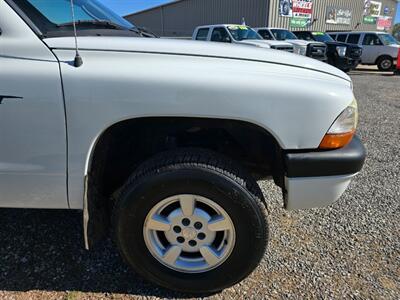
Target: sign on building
296 8
339 16
300 22
300 12
369 20
384 23
372 8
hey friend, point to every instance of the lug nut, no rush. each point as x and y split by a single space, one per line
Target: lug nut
201 236
198 225
192 243
180 239
177 229
186 222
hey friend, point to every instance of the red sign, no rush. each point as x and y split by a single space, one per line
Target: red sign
302 8
384 23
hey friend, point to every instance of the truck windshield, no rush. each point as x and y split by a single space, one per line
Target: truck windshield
322 37
388 39
241 33
282 34
55 15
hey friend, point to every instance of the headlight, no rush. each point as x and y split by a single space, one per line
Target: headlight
341 51
303 50
343 129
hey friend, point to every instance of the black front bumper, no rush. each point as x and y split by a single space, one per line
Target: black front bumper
347 160
346 63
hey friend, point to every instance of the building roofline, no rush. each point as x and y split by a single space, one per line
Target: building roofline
159 6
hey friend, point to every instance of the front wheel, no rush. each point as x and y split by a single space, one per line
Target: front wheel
191 221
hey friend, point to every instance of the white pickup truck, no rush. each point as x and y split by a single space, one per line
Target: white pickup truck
237 34
163 141
313 49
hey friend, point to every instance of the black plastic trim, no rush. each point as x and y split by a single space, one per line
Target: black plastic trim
343 161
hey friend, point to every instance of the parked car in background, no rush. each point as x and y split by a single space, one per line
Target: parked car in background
341 55
379 48
313 49
160 142
237 34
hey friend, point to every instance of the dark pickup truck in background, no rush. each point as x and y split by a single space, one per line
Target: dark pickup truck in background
341 55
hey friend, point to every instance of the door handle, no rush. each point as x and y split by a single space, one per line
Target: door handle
3 97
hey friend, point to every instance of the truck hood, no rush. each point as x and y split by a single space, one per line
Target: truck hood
193 48
265 43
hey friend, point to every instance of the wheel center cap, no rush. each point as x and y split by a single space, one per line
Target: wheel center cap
189 233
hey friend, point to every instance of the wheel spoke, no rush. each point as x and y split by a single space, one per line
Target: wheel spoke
187 203
171 255
219 224
209 255
158 223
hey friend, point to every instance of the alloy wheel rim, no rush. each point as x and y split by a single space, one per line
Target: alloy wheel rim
189 233
386 64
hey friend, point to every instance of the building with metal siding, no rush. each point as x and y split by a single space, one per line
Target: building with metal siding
179 18
320 10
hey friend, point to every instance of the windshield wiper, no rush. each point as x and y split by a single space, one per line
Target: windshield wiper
97 23
108 24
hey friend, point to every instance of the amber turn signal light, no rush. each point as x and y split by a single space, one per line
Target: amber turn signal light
335 141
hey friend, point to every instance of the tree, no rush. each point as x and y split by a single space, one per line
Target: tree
396 31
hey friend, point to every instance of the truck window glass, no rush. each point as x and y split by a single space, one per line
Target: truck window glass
371 39
341 37
388 39
282 34
202 34
241 33
220 35
266 35
54 16
353 38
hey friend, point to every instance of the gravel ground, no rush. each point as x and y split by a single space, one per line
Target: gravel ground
349 250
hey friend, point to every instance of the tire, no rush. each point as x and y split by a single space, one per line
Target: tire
385 63
217 186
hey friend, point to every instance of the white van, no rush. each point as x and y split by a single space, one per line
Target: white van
237 34
379 48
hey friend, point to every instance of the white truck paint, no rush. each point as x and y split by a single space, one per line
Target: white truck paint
123 92
54 115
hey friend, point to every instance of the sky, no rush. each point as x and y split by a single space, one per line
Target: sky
124 7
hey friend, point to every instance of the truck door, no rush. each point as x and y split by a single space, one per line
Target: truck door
32 119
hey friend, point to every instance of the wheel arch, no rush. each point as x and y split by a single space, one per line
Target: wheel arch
96 208
97 138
